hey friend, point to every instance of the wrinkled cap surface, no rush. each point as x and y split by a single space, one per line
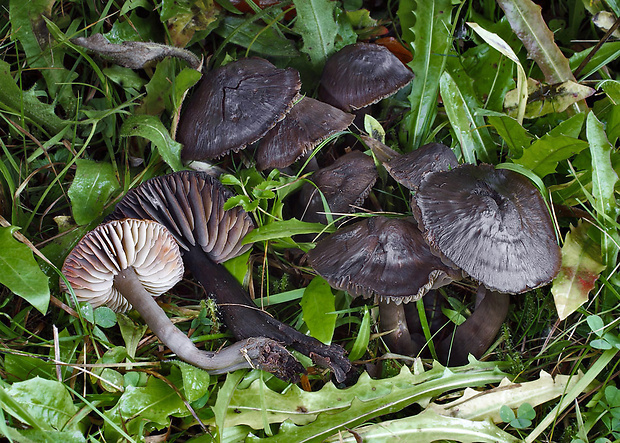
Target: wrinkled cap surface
234 106
361 74
409 169
307 124
144 245
190 205
345 183
382 257
492 223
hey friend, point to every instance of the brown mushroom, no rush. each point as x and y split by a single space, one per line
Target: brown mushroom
234 106
361 74
387 259
124 264
307 124
492 223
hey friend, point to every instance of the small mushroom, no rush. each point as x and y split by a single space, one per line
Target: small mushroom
361 74
344 184
492 223
234 106
307 124
191 205
387 259
409 169
126 263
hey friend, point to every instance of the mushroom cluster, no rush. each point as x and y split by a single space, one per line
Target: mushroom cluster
476 221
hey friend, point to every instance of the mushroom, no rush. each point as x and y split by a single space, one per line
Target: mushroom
387 259
344 184
409 169
491 223
234 106
307 124
361 74
126 263
191 205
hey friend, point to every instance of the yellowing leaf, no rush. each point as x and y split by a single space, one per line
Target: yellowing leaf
581 266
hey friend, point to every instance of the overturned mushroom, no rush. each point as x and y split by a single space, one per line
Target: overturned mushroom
307 124
234 106
492 223
387 259
361 74
127 263
190 205
344 184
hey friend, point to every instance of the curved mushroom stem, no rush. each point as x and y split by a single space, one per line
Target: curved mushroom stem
392 318
479 330
245 319
262 353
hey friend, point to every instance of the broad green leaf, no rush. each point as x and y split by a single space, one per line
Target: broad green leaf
581 266
515 135
527 22
158 90
20 272
604 179
571 127
151 128
426 427
13 99
29 28
256 38
36 436
91 189
316 23
284 229
426 26
364 401
500 45
612 89
238 266
47 401
153 404
105 317
545 153
318 305
469 129
195 381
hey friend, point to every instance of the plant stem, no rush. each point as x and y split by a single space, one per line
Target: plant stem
257 352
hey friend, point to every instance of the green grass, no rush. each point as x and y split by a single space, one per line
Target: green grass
77 131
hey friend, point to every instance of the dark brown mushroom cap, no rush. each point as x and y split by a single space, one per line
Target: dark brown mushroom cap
382 257
112 247
345 183
409 169
234 106
492 223
307 124
361 74
190 205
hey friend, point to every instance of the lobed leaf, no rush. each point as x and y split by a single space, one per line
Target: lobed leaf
544 155
317 25
427 27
